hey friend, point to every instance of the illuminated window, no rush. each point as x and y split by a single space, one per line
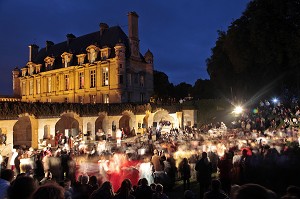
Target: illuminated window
105 98
105 76
67 82
30 87
66 59
80 59
24 71
38 86
81 80
92 55
49 61
38 68
142 81
57 83
31 69
49 84
80 99
93 78
23 88
105 52
92 99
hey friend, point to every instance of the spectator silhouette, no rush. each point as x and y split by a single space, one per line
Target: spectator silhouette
125 190
159 193
49 191
204 171
225 165
143 191
251 191
22 188
185 172
104 192
6 177
216 192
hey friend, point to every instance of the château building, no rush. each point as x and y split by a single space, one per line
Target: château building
105 66
104 71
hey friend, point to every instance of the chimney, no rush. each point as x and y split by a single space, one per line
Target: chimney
70 37
103 27
133 32
33 52
133 25
48 45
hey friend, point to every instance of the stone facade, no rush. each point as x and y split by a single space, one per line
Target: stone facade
101 67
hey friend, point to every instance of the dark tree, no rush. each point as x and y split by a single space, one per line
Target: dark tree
259 52
163 89
204 89
182 90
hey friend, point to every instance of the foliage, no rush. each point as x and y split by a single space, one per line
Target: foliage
163 89
259 51
203 89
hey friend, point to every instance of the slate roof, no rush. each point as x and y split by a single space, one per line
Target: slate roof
110 37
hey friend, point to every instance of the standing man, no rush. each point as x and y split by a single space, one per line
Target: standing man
204 170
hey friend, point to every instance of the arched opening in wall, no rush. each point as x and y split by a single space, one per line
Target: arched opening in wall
46 132
145 122
187 122
125 123
67 126
99 128
163 121
22 133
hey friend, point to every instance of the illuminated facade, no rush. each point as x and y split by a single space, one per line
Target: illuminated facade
101 67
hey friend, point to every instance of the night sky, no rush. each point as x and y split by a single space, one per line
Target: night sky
180 34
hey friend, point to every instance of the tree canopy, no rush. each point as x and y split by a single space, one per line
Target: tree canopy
260 51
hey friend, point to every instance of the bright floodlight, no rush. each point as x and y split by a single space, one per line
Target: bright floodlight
238 110
275 100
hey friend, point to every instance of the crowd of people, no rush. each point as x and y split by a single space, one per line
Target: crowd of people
258 158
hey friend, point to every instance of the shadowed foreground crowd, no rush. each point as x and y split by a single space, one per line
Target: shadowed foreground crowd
24 186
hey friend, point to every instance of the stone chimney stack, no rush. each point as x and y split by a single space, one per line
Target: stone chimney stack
133 33
48 45
103 27
70 37
33 52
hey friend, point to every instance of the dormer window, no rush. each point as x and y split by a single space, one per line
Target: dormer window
66 59
24 71
105 53
30 68
49 61
120 51
92 53
80 59
38 68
